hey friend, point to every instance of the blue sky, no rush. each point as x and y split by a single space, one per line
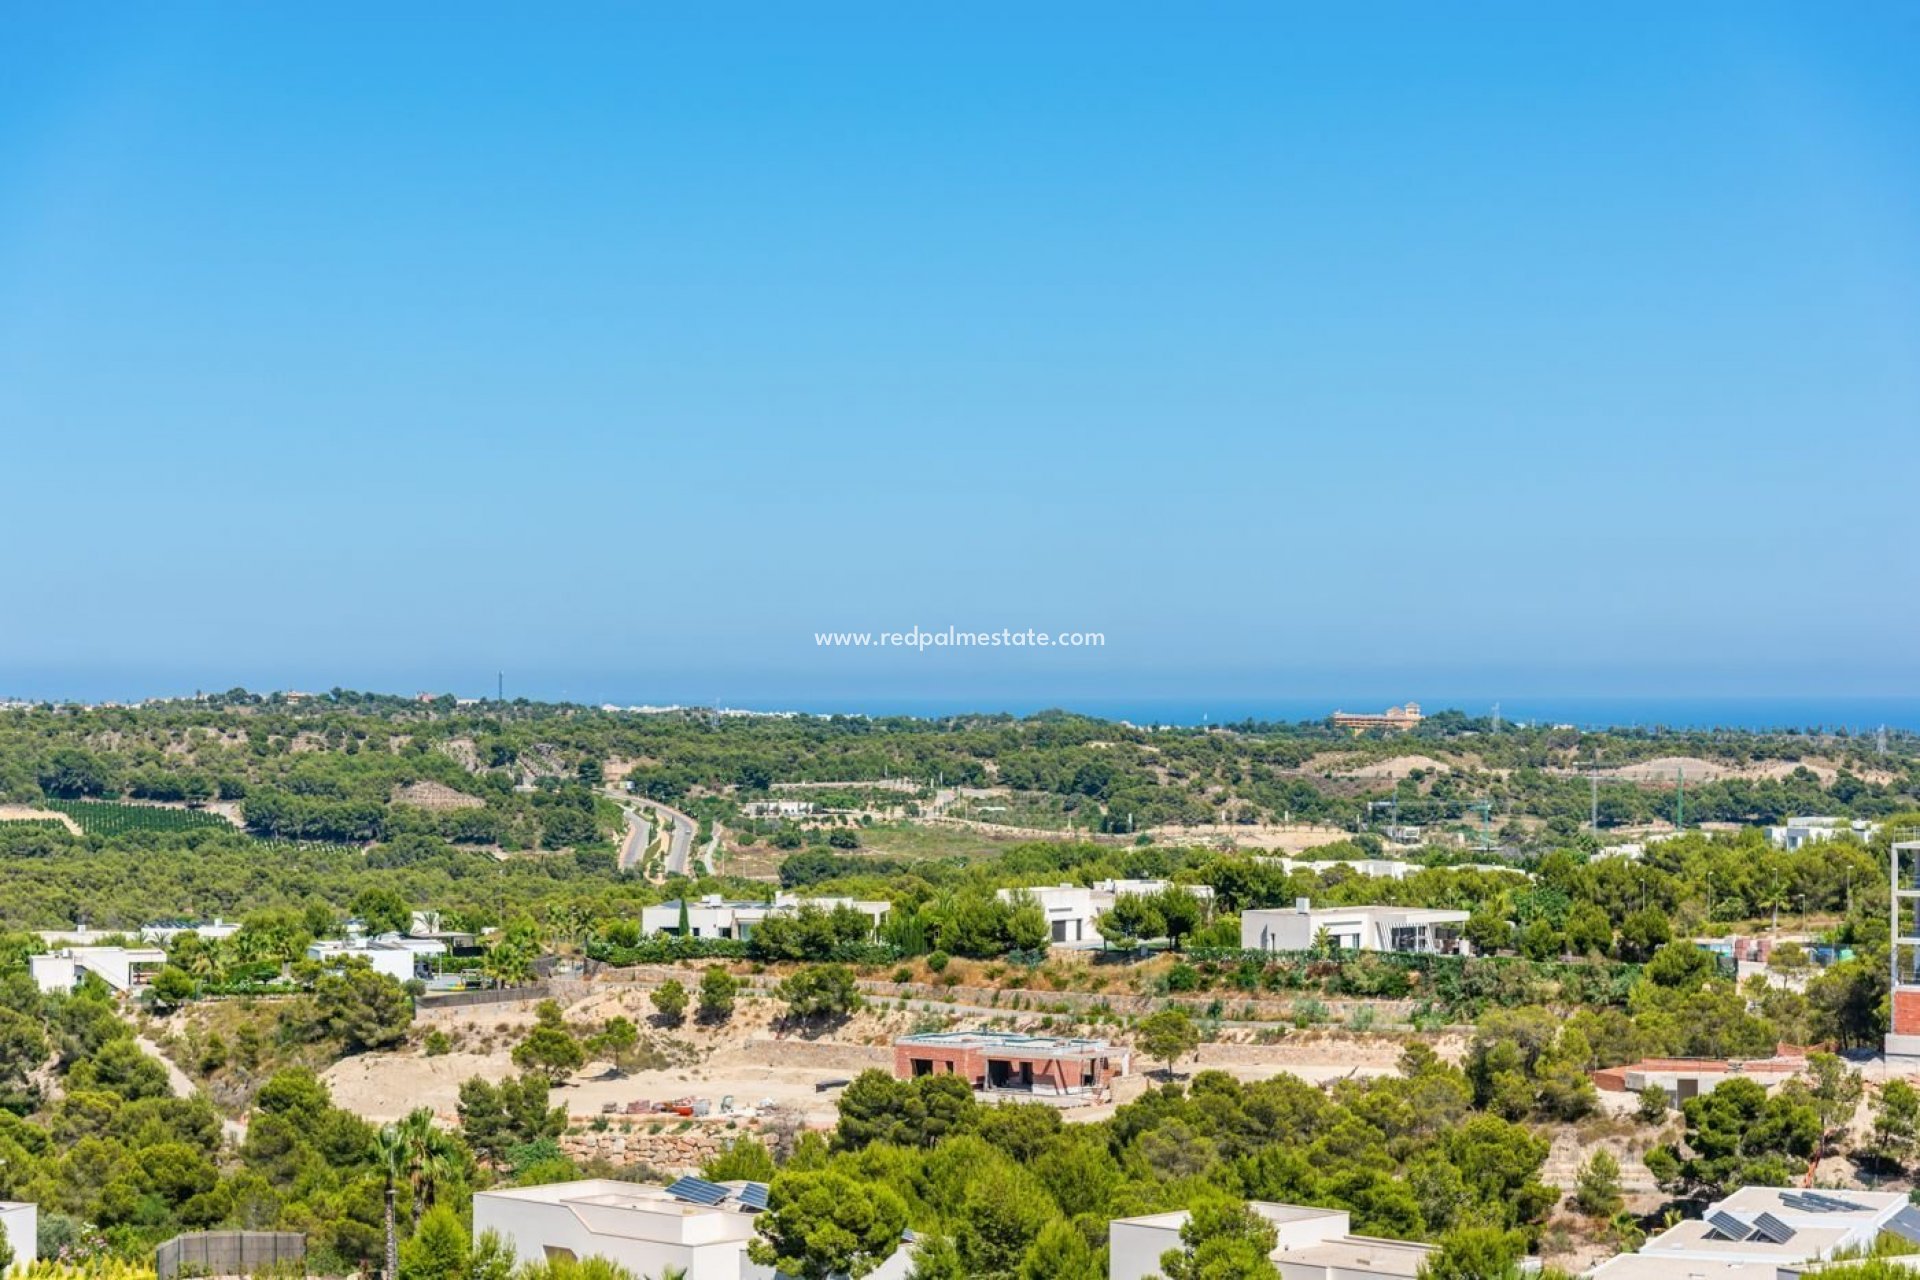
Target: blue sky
1400 348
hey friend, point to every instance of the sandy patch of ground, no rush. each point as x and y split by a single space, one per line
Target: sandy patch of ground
755 1061
1663 769
748 1059
27 813
436 796
1397 767
1285 839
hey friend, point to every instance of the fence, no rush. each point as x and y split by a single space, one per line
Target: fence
231 1253
499 995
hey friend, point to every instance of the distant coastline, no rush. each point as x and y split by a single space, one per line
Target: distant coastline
1850 713
1854 714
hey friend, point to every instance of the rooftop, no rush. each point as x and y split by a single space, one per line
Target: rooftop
1006 1042
1363 1253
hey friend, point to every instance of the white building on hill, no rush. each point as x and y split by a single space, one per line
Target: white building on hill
1801 831
20 1227
162 932
1758 1233
699 1229
401 959
125 969
715 917
1354 928
1071 909
1314 1244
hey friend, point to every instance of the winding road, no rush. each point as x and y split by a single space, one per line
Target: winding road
679 847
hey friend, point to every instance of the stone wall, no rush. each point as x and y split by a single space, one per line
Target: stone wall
673 1150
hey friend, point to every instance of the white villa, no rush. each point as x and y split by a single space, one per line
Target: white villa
125 969
715 917
1314 1244
1800 831
162 932
699 1228
20 1228
1764 1232
1071 908
1354 928
400 958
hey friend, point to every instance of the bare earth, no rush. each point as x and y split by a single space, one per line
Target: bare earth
27 813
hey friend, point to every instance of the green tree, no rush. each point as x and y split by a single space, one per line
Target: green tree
670 1002
747 1160
820 993
1001 1216
361 1009
1835 1091
549 1047
823 1225
1060 1252
1167 1036
171 988
718 989
438 1248
1222 1239
618 1040
1596 1190
383 910
1477 1253
496 1119
1896 1121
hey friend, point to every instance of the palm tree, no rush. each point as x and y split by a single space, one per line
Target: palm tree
427 1156
390 1153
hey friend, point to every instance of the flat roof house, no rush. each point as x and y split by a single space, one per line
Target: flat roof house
692 1227
1418 929
20 1227
162 932
700 1227
1802 830
1072 908
1314 1244
1756 1231
401 959
716 917
125 969
994 1061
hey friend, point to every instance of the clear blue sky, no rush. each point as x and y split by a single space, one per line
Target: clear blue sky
1483 347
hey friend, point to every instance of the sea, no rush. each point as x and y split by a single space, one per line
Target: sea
1850 714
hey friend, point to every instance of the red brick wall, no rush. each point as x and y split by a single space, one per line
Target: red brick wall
1906 1012
946 1061
971 1065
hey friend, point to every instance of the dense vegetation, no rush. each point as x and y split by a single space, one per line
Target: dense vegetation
371 808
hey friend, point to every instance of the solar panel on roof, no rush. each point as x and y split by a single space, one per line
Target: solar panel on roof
697 1191
754 1195
1728 1227
1829 1204
1906 1224
1771 1229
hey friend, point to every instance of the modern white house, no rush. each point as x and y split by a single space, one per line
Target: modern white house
1766 1232
400 958
696 1227
161 933
1314 1244
715 917
645 1229
125 969
1072 908
20 1227
1381 868
1424 929
1803 830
